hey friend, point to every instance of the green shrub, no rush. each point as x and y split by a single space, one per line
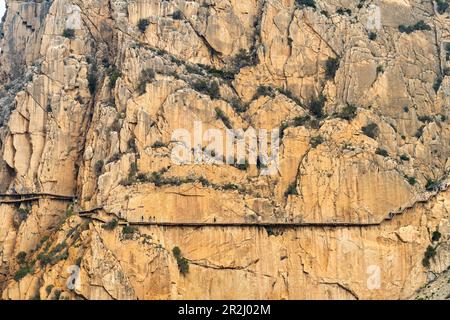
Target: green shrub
283 127
404 157
200 86
111 225
316 141
58 248
195 69
69 33
220 115
23 213
273 231
21 257
238 106
22 272
331 67
44 239
316 106
343 11
264 91
411 180
204 181
243 166
114 74
382 152
128 231
133 170
183 263
380 69
44 259
218 73
301 120
348 113
243 59
442 6
314 124
177 15
292 190
371 130
158 144
115 126
114 158
430 253
437 84
183 266
306 3
49 289
132 144
291 96
143 25
176 252
421 25
211 88
61 257
92 81
419 132
156 178
57 294
147 75
79 99
425 119
372 36
230 186
325 13
126 182
98 167
432 185
142 177
436 236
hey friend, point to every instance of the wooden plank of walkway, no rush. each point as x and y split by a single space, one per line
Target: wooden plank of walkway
89 213
35 194
20 200
390 217
244 224
14 198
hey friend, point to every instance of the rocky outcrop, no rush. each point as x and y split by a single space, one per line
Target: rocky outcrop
94 90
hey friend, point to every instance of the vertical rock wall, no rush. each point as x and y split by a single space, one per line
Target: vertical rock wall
92 91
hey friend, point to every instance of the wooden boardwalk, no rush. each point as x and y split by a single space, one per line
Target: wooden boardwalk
17 198
279 225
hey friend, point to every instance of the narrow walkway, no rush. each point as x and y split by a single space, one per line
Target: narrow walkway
90 214
249 224
15 198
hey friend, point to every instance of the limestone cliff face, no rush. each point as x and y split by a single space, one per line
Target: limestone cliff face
92 91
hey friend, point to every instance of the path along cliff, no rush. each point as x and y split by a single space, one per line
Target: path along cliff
93 207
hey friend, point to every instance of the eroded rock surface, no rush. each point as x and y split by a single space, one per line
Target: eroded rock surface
92 91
